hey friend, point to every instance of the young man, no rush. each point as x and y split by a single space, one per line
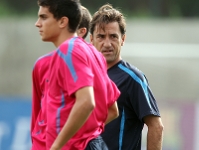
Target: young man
74 98
137 105
39 84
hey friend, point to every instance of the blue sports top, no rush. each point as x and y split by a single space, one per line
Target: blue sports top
135 102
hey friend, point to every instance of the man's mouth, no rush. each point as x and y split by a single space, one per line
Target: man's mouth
107 52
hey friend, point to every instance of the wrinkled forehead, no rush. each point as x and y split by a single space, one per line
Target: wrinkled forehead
108 28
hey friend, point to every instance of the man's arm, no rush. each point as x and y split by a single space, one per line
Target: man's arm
80 112
112 113
155 132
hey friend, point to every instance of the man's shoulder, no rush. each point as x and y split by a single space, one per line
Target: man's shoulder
131 70
44 59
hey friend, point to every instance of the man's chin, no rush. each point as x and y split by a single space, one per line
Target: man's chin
109 60
45 40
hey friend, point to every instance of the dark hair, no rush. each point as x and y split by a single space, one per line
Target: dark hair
68 8
107 14
86 19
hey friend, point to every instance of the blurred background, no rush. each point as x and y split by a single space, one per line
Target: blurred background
162 41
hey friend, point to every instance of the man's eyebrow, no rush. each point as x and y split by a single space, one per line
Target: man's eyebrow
113 34
42 15
100 34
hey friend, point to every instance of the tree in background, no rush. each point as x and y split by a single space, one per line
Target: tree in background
132 8
20 7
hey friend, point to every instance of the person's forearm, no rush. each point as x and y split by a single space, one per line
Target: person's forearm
112 113
154 139
110 118
79 114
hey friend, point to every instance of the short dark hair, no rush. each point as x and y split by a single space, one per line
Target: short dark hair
86 19
68 8
107 14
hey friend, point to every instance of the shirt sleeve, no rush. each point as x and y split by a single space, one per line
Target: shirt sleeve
75 71
113 92
142 99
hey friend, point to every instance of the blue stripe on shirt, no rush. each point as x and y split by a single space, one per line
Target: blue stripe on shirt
121 129
68 58
58 120
137 79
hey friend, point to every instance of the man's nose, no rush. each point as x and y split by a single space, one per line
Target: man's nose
107 42
37 24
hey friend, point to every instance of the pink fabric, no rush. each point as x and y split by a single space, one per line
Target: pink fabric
74 65
39 89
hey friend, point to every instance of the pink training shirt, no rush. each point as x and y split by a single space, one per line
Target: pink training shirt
39 90
74 65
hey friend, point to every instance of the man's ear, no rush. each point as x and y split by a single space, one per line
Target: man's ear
63 22
81 32
123 39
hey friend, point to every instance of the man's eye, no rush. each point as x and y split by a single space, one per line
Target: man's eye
100 36
43 17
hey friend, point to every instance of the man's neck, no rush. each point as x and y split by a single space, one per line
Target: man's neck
63 38
109 65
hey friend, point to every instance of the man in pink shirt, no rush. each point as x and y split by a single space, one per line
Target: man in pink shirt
39 86
80 97
39 81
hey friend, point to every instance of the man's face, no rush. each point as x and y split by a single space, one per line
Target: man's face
108 42
47 24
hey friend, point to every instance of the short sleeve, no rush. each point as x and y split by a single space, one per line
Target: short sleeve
113 93
143 100
74 69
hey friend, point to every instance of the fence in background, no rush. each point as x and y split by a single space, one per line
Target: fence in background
181 121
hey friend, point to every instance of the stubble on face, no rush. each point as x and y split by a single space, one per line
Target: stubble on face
108 40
